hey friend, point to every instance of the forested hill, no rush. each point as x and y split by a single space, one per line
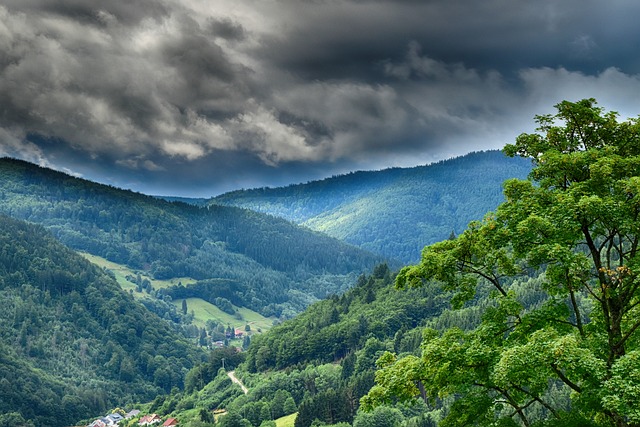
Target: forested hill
393 212
72 343
268 264
324 360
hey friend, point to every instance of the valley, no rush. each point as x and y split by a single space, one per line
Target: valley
126 276
233 296
118 300
320 213
202 310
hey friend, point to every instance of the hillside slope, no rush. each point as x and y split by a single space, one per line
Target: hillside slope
72 343
265 263
324 360
393 212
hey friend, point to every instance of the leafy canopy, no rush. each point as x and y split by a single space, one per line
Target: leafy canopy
570 357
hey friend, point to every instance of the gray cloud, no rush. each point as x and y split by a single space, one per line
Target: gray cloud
196 97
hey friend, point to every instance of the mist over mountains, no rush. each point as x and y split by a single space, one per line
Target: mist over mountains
393 212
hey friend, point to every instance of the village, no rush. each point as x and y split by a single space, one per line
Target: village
116 418
146 420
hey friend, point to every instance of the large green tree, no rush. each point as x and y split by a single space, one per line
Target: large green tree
569 236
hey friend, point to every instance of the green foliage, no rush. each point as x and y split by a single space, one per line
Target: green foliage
336 327
329 406
561 349
231 251
314 385
233 419
279 383
72 343
393 212
289 406
204 373
381 416
14 419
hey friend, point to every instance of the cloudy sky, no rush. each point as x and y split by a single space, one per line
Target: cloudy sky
197 97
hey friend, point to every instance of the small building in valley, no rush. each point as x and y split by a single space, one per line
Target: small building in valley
131 414
149 420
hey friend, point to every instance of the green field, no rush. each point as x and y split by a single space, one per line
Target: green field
122 271
203 311
287 421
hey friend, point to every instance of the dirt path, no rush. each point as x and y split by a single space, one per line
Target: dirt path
232 375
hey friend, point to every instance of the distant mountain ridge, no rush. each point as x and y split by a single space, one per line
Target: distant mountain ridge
267 264
195 201
393 212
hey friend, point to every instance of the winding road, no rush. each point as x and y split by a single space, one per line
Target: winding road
232 375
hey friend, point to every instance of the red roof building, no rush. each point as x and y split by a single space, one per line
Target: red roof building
149 419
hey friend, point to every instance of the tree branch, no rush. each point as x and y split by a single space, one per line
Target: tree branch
537 399
574 303
626 336
564 379
495 281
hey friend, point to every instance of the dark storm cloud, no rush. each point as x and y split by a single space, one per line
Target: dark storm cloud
226 28
92 12
494 34
207 95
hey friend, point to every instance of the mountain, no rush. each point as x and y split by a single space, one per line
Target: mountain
393 212
188 200
72 342
254 260
324 360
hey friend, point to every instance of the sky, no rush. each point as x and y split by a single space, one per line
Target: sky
198 97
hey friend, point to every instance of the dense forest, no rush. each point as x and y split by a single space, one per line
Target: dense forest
528 317
72 342
274 266
324 358
323 362
393 212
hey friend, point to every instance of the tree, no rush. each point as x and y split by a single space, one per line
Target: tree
233 419
184 306
206 416
230 332
14 419
289 406
329 406
382 416
574 354
278 402
202 340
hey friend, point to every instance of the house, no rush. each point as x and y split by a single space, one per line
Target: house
149 420
112 419
170 422
239 333
131 414
98 423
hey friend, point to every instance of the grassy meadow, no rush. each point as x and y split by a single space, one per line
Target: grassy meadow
202 309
